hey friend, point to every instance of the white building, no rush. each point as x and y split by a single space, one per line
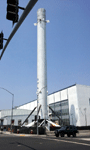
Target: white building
18 117
71 104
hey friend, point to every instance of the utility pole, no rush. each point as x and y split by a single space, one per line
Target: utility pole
12 105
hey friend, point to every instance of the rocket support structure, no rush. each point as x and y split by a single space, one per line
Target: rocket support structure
41 63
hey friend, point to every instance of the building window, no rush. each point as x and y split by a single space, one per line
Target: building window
64 103
61 109
19 122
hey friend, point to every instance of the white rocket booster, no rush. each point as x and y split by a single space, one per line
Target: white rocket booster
41 62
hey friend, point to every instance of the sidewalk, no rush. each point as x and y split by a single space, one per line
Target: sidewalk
20 134
81 133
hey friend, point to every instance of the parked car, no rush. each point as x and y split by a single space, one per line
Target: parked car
69 130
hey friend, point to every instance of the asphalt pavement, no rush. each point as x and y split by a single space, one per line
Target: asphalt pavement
44 142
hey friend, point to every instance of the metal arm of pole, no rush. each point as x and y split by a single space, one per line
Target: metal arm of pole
28 8
4 39
21 8
6 90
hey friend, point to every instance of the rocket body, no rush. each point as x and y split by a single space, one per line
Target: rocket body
41 62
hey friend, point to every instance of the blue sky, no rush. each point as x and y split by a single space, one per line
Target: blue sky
68 50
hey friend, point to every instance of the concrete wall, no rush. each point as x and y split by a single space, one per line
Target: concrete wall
84 104
73 106
18 114
7 120
58 96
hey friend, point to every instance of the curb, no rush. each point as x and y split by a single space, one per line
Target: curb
81 133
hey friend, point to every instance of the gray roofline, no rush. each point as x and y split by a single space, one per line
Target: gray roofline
26 103
63 89
48 94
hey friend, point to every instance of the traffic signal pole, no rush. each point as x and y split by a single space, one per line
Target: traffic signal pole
28 8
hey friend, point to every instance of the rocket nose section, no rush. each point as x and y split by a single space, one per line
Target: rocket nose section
41 14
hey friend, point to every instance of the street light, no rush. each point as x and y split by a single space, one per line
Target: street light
12 104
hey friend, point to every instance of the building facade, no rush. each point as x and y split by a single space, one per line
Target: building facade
18 117
71 104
